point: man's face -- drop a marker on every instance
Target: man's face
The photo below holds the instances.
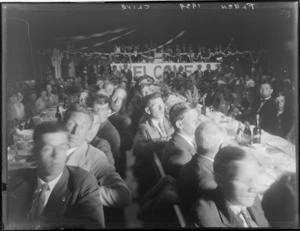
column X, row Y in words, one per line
column 265, row 90
column 190, row 122
column 102, row 111
column 156, row 108
column 44, row 94
column 239, row 185
column 51, row 153
column 280, row 101
column 208, row 66
column 49, row 88
column 13, row 99
column 199, row 67
column 145, row 91
column 82, row 98
column 117, row 100
column 100, row 83
column 20, row 97
column 78, row 125
column 109, row 88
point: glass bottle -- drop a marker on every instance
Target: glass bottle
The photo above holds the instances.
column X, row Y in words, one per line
column 239, row 133
column 257, row 131
column 247, row 133
column 58, row 115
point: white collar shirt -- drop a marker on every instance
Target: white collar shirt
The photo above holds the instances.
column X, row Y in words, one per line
column 51, row 184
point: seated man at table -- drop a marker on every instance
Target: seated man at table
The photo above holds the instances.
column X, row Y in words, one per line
column 181, row 147
column 152, row 136
column 106, row 130
column 267, row 108
column 113, row 191
column 234, row 203
column 53, row 195
column 40, row 104
column 122, row 123
column 197, row 176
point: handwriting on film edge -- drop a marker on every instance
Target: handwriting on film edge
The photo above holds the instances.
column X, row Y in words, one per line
column 193, row 6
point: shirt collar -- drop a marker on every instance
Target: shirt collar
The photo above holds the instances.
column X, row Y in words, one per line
column 267, row 98
column 210, row 159
column 51, row 183
column 71, row 150
column 235, row 208
column 190, row 140
column 156, row 122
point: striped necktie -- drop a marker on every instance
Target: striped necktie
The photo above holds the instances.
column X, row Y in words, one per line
column 248, row 219
column 39, row 201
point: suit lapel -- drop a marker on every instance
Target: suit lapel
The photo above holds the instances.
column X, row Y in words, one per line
column 77, row 157
column 59, row 197
column 257, row 215
column 228, row 218
column 205, row 163
column 178, row 139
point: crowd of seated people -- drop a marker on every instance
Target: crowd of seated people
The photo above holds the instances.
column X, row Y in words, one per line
column 114, row 112
column 181, row 53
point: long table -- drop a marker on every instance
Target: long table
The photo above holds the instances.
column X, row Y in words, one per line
column 275, row 154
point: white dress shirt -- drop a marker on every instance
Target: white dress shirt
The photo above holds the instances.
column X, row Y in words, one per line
column 237, row 211
column 51, row 184
column 210, row 159
column 156, row 124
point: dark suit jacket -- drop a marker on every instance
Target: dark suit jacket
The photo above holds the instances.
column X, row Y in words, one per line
column 177, row 153
column 123, row 125
column 74, row 201
column 283, row 123
column 195, row 179
column 104, row 146
column 108, row 132
column 208, row 73
column 213, row 211
column 128, row 75
column 267, row 115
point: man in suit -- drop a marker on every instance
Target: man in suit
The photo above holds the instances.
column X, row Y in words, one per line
column 234, row 203
column 267, row 108
column 181, row 147
column 106, row 130
column 127, row 73
column 197, row 176
column 152, row 136
column 53, row 195
column 208, row 73
column 98, row 142
column 199, row 73
column 113, row 191
column 121, row 121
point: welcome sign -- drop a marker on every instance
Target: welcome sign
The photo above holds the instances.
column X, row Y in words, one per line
column 157, row 69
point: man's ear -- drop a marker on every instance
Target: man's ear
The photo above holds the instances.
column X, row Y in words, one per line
column 109, row 112
column 271, row 91
column 147, row 110
column 218, row 180
column 178, row 124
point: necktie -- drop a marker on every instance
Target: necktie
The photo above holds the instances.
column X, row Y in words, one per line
column 248, row 219
column 39, row 201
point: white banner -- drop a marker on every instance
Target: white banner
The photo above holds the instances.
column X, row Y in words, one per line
column 156, row 69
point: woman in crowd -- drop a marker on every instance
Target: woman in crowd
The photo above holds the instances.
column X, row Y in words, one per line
column 51, row 99
column 15, row 107
column 41, row 103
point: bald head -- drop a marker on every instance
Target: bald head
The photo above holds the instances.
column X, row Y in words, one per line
column 209, row 136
